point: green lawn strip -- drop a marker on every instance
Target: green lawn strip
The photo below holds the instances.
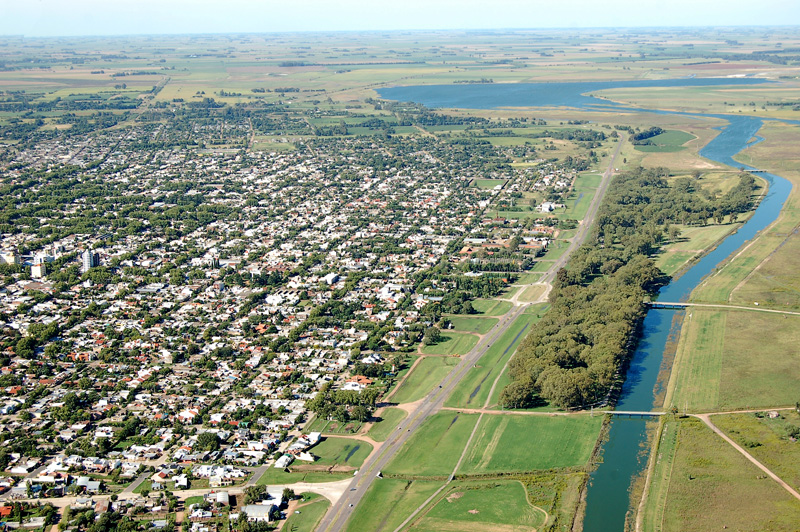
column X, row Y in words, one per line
column 761, row 361
column 528, row 278
column 434, row 449
column 306, row 518
column 388, row 502
column 508, row 443
column 279, row 476
column 327, row 426
column 555, row 249
column 653, row 511
column 452, row 343
column 472, row 325
column 427, row 374
column 767, row 439
column 481, row 505
column 145, row 485
column 491, row 307
column 541, row 265
column 489, row 183
column 474, row 388
column 341, row 451
column 698, row 362
column 409, row 362
column 712, row 486
column 389, row 419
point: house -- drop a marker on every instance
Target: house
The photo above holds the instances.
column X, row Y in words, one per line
column 266, row 513
column 284, row 461
column 181, row 481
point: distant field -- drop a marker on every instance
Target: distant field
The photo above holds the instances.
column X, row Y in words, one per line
column 667, row 142
column 435, row 447
column 390, row 417
column 497, row 505
column 452, row 343
column 428, row 373
column 712, row 486
column 472, row 325
column 528, row 443
column 489, row 183
column 776, row 282
column 388, row 502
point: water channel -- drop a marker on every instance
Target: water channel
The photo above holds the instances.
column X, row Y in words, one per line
column 624, row 454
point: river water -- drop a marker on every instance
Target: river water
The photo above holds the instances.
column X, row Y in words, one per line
column 625, row 452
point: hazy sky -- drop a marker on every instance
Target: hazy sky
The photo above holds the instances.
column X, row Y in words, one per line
column 113, row 17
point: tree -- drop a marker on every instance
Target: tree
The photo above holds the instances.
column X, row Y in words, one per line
column 208, row 441
column 288, row 494
column 360, row 413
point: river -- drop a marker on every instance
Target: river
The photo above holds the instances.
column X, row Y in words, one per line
column 625, row 452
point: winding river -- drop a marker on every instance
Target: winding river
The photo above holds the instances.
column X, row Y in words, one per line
column 624, row 454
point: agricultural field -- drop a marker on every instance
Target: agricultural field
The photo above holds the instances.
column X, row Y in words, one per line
column 434, row 449
column 389, row 419
column 711, row 487
column 521, row 443
column 423, row 378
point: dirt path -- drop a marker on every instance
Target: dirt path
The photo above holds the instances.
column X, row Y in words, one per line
column 705, row 418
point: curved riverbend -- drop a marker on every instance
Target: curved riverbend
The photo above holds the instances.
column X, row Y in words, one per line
column 624, row 453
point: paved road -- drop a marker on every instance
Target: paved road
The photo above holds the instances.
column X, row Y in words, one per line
column 338, row 514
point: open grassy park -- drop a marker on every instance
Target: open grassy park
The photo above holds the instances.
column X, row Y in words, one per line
column 508, row 443
column 451, row 343
column 471, row 324
column 307, row 515
column 388, row 503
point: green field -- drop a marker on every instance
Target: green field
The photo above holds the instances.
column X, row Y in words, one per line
column 527, row 443
column 472, row 325
column 341, row 451
column 711, row 487
column 452, row 343
column 723, row 362
column 768, row 440
column 388, row 502
column 279, row 476
column 329, row 426
column 497, row 505
column 528, row 278
column 435, row 447
column 310, row 515
column 489, row 183
column 775, row 284
column 474, row 388
column 390, row 417
column 423, row 378
column 692, row 242
column 491, row 307
column 532, row 293
column 668, row 142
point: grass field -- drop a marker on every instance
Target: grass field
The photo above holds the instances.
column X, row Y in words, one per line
column 491, row 307
column 499, row 505
column 472, row 325
column 452, row 343
column 723, row 362
column 390, row 417
column 328, row 426
column 473, row 390
column 341, row 451
column 527, row 443
column 653, row 510
column 532, row 293
column 775, row 283
column 279, row 476
column 387, row 504
column 767, row 439
column 712, row 486
column 422, row 379
column 528, row 278
column 698, row 362
column 308, row 518
column 489, row 183
column 668, row 142
column 434, row 449
column 692, row 242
